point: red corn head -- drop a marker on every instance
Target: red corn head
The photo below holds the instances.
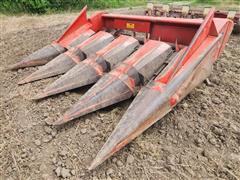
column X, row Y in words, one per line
column 90, row 70
column 198, row 43
column 77, row 32
column 69, row 59
column 187, row 70
column 122, row 82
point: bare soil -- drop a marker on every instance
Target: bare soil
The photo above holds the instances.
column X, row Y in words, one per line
column 199, row 139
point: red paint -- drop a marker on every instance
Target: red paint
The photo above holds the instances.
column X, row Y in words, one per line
column 165, row 28
column 96, row 21
column 148, row 47
column 168, row 20
column 164, row 78
column 122, row 69
column 168, row 29
column 95, row 66
column 77, row 23
column 199, row 37
column 172, row 101
column 206, row 34
column 136, row 26
column 75, row 58
column 157, row 88
column 80, row 31
column 179, row 31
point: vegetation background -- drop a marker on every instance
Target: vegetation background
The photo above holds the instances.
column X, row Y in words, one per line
column 46, row 6
column 52, row 6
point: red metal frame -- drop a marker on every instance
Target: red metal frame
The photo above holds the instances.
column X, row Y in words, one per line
column 80, row 24
column 166, row 29
column 198, row 44
column 209, row 31
column 191, row 33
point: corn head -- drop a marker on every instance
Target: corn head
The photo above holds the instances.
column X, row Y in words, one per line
column 160, row 60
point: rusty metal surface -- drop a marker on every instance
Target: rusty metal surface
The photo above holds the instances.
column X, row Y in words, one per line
column 122, row 82
column 108, row 90
column 39, row 57
column 69, row 59
column 82, row 37
column 92, row 69
column 95, row 43
column 193, row 65
column 158, row 98
column 59, row 65
column 66, row 41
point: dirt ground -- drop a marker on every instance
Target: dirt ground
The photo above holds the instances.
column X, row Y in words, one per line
column 199, row 139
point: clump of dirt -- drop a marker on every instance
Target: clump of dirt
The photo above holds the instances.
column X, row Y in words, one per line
column 199, row 139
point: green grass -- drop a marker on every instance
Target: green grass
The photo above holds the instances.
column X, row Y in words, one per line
column 220, row 3
column 51, row 6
